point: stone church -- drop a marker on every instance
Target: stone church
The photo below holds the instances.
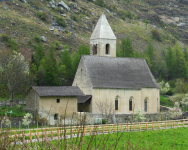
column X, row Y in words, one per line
column 125, row 83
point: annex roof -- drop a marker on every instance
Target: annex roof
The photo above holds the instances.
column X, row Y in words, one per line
column 83, row 99
column 102, row 29
column 118, row 72
column 58, row 91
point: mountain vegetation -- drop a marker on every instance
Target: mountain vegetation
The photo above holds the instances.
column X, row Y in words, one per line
column 52, row 37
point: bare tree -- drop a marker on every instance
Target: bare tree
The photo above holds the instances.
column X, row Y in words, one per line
column 105, row 107
column 14, row 71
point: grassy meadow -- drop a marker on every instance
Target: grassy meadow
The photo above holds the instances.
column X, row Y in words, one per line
column 157, row 139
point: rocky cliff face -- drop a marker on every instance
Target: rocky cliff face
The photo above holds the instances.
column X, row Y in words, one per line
column 169, row 13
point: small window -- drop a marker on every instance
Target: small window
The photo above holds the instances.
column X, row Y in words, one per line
column 130, row 104
column 116, row 103
column 95, row 49
column 145, row 105
column 58, row 100
column 107, row 48
column 55, row 116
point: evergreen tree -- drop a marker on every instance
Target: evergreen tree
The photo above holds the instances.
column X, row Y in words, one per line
column 51, row 68
column 186, row 55
column 39, row 54
column 170, row 61
column 181, row 66
column 149, row 52
column 83, row 50
column 65, row 59
column 41, row 73
column 137, row 55
column 126, row 48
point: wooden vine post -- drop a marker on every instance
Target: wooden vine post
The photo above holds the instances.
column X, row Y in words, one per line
column 84, row 130
column 51, row 134
column 37, row 134
column 23, row 137
column 44, row 133
column 152, row 126
column 158, row 125
column 121, row 127
column 30, row 135
column 15, row 137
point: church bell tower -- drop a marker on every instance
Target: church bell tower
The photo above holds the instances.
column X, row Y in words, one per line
column 103, row 40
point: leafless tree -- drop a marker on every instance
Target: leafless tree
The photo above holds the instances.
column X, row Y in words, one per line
column 105, row 107
column 14, row 72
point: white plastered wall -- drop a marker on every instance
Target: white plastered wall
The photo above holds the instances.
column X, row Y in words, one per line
column 124, row 96
column 101, row 47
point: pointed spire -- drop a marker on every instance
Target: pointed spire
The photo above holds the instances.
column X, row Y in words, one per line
column 102, row 29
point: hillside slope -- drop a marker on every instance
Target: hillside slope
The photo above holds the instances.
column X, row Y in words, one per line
column 22, row 20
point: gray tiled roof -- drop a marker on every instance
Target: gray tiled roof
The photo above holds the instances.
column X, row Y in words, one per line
column 116, row 72
column 58, row 90
column 102, row 29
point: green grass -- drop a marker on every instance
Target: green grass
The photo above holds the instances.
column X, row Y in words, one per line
column 158, row 139
column 164, row 101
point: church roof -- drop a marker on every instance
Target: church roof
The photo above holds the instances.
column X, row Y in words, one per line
column 58, row 91
column 102, row 29
column 118, row 72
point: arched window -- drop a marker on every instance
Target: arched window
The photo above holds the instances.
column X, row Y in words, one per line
column 116, row 103
column 131, row 104
column 107, row 48
column 95, row 49
column 55, row 116
column 145, row 105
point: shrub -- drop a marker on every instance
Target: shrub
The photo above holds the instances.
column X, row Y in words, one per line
column 99, row 2
column 127, row 14
column 170, row 92
column 123, row 17
column 37, row 38
column 145, row 21
column 172, row 83
column 61, row 22
column 42, row 15
column 176, row 36
column 111, row 7
column 75, row 18
column 12, row 43
column 36, row 4
column 156, row 35
column 4, row 37
column 57, row 44
column 104, row 121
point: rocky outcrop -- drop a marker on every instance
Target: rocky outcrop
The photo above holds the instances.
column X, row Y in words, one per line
column 52, row 3
column 62, row 4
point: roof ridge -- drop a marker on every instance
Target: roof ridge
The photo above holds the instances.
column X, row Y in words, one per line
column 113, row 57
